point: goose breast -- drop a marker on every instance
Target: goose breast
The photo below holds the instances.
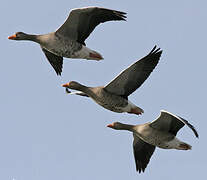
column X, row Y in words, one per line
column 108, row 100
column 60, row 46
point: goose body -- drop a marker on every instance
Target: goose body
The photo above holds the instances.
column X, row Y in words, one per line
column 66, row 47
column 114, row 96
column 157, row 138
column 69, row 40
column 158, row 133
column 111, row 101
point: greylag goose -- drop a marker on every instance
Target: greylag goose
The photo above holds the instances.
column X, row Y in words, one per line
column 114, row 96
column 69, row 40
column 160, row 132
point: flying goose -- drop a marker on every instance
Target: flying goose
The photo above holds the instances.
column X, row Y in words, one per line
column 114, row 96
column 160, row 132
column 69, row 40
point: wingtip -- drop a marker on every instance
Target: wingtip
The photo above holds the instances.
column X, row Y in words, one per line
column 122, row 15
column 140, row 170
column 189, row 125
column 155, row 50
column 195, row 132
column 122, row 18
column 120, row 12
column 58, row 73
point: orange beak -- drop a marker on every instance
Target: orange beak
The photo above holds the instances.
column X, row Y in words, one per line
column 65, row 85
column 110, row 125
column 12, row 37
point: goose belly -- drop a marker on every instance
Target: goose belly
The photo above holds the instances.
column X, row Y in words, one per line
column 112, row 106
column 157, row 138
column 110, row 102
column 63, row 47
column 68, row 50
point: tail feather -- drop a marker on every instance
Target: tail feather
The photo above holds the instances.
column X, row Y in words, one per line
column 184, row 146
column 136, row 110
column 95, row 56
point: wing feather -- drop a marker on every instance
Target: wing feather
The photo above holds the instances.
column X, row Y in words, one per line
column 133, row 77
column 54, row 60
column 142, row 153
column 171, row 123
column 81, row 22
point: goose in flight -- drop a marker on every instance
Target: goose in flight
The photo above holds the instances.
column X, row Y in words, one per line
column 69, row 40
column 158, row 133
column 114, row 96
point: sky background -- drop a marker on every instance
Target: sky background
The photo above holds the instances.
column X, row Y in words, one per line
column 46, row 134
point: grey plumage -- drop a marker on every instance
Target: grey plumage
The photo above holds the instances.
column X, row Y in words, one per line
column 81, row 22
column 133, row 77
column 158, row 133
column 69, row 40
column 55, row 61
column 168, row 122
column 114, row 96
column 142, row 153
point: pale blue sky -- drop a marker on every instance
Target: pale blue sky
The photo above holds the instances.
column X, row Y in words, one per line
column 46, row 134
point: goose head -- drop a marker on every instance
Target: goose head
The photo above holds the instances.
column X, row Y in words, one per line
column 115, row 125
column 73, row 85
column 120, row 126
column 19, row 36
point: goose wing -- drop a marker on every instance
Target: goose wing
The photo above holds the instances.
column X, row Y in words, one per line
column 54, row 60
column 81, row 22
column 171, row 123
column 142, row 153
column 132, row 78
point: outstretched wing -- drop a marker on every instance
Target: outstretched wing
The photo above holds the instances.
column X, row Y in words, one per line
column 171, row 123
column 54, row 60
column 142, row 153
column 132, row 78
column 81, row 22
